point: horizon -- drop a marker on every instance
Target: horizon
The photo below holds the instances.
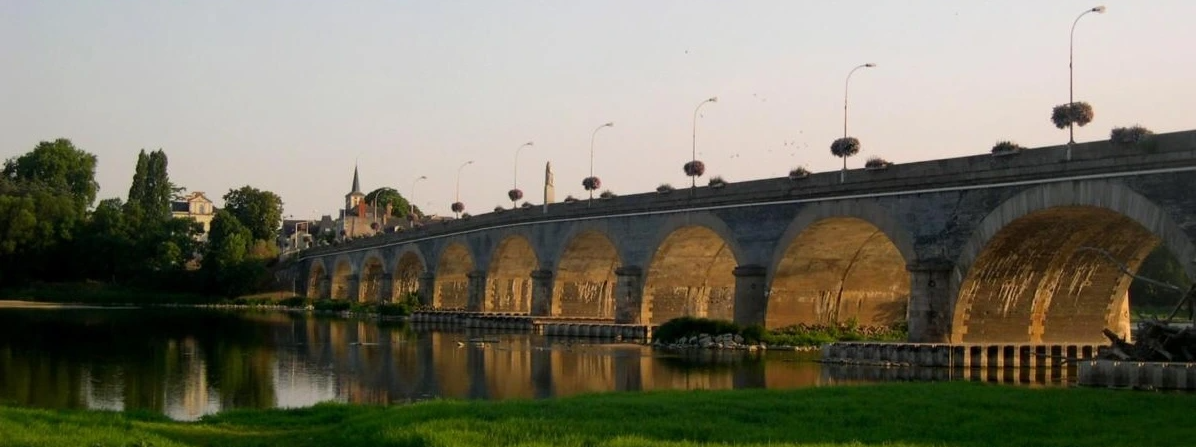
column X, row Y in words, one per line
column 288, row 97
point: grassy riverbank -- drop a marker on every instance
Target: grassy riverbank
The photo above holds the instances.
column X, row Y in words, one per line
column 955, row 414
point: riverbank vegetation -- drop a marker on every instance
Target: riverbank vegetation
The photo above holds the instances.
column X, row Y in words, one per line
column 796, row 335
column 909, row 414
column 137, row 246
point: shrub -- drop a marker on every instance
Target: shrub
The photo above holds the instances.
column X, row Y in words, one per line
column 331, row 305
column 499, row 209
column 664, row 188
column 527, row 206
column 877, row 163
column 1006, row 146
column 295, row 301
column 466, row 215
column 607, row 195
column 717, row 182
column 798, row 172
column 1130, row 136
column 1078, row 113
column 570, row 199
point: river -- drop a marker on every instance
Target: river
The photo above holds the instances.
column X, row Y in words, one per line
column 186, row 363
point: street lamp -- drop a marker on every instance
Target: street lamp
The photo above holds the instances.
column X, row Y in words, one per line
column 1071, row 73
column 694, row 141
column 457, row 205
column 592, row 135
column 847, row 84
column 411, row 200
column 515, row 194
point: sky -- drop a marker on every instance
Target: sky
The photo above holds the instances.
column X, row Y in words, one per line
column 288, row 95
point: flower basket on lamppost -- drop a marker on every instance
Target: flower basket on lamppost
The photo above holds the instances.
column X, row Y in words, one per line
column 591, row 184
column 843, row 148
column 457, row 208
column 694, row 169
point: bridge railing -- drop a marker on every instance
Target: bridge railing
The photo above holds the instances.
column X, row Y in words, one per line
column 1093, row 158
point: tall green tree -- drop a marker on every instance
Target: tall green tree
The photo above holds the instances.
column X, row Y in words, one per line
column 58, row 166
column 258, row 210
column 381, row 197
column 151, row 190
column 226, row 262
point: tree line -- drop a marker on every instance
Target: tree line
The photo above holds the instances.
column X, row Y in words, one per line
column 50, row 233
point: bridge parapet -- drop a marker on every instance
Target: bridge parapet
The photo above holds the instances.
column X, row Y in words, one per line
column 1170, row 150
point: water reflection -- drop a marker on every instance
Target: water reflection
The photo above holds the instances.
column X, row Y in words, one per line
column 188, row 363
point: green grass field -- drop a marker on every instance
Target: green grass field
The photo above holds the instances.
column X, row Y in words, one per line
column 923, row 414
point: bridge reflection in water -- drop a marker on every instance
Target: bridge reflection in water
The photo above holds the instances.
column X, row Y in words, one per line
column 190, row 363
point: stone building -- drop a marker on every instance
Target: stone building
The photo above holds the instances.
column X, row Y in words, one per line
column 195, row 206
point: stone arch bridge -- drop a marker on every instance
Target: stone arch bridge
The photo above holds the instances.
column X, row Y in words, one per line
column 974, row 249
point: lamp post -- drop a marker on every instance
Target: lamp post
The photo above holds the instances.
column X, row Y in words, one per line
column 1071, row 73
column 515, row 194
column 592, row 135
column 847, row 84
column 411, row 200
column 457, row 205
column 694, row 141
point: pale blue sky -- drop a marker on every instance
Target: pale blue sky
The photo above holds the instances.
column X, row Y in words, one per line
column 284, row 95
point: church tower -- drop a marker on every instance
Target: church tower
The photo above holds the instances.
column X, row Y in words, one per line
column 549, row 188
column 354, row 197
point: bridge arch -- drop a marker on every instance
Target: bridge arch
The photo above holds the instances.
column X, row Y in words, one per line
column 508, row 280
column 409, row 266
column 317, row 276
column 373, row 269
column 342, row 274
column 690, row 272
column 1022, row 277
column 453, row 267
column 584, row 282
column 839, row 262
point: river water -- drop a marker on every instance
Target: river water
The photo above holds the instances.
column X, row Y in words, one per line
column 186, row 363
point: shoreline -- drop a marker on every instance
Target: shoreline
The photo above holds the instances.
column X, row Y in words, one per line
column 31, row 304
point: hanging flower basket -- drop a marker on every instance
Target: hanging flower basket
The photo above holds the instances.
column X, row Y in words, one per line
column 1127, row 137
column 695, row 168
column 664, row 188
column 798, row 173
column 458, row 207
column 607, row 195
column 1078, row 113
column 845, row 147
column 515, row 194
column 591, row 183
column 877, row 164
column 1006, row 147
column 717, row 182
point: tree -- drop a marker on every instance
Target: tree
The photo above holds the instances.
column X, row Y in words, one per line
column 381, row 197
column 57, row 166
column 151, row 191
column 259, row 211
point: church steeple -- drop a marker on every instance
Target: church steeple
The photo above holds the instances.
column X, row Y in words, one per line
column 356, row 181
column 355, row 196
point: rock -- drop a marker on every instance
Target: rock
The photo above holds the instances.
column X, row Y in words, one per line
column 737, row 339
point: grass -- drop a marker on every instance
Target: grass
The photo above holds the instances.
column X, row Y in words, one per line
column 797, row 335
column 922, row 414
